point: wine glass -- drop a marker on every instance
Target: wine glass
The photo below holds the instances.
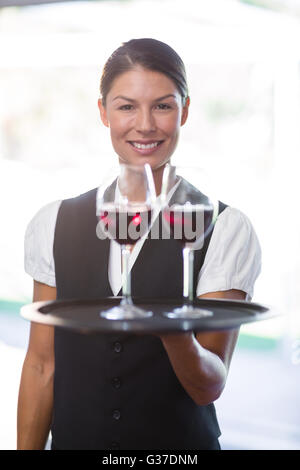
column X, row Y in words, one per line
column 124, row 207
column 189, row 215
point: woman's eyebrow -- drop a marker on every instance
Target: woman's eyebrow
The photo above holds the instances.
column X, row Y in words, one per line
column 170, row 95
column 122, row 97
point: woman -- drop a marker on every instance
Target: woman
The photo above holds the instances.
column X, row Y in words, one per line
column 127, row 391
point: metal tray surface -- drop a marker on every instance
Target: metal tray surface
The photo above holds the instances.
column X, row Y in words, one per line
column 84, row 315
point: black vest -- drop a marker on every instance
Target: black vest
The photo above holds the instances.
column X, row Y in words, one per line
column 119, row 391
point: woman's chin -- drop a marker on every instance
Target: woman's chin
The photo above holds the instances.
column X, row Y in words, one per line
column 154, row 161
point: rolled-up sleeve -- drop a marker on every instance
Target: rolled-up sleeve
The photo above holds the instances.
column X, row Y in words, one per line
column 233, row 258
column 38, row 245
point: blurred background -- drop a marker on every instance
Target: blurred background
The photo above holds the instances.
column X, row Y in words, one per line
column 242, row 60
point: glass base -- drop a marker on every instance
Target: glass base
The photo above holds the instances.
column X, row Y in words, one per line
column 125, row 312
column 188, row 311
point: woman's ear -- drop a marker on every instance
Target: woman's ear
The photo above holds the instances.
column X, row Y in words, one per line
column 103, row 113
column 185, row 111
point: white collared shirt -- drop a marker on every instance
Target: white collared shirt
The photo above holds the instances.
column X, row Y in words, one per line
column 232, row 261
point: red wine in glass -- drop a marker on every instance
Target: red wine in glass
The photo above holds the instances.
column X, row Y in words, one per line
column 189, row 222
column 124, row 203
column 125, row 225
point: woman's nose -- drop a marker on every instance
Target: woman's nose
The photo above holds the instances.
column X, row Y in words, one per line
column 145, row 121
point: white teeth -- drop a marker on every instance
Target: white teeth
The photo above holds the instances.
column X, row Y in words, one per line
column 145, row 146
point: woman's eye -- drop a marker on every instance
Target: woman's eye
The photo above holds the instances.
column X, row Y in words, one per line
column 126, row 107
column 163, row 106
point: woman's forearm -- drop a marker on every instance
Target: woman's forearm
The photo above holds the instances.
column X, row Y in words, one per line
column 201, row 372
column 34, row 406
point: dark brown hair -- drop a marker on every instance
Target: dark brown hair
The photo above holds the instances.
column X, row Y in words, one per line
column 150, row 54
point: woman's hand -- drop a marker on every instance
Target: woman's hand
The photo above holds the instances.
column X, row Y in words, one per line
column 201, row 361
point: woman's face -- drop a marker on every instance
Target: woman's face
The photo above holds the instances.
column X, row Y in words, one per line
column 144, row 112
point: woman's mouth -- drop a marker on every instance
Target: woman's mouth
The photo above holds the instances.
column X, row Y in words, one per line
column 145, row 147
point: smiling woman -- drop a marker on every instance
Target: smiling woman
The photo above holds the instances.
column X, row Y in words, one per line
column 144, row 124
column 144, row 101
column 130, row 391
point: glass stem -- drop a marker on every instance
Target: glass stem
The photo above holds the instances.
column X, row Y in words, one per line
column 188, row 274
column 126, row 278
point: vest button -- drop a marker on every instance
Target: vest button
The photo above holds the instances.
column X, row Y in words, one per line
column 118, row 347
column 116, row 382
column 116, row 414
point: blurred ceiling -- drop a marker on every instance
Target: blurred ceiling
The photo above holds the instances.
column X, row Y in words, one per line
column 20, row 3
column 85, row 33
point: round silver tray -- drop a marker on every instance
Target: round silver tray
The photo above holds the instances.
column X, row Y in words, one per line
column 84, row 315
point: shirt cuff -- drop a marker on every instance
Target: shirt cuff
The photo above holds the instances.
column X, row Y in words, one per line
column 221, row 284
column 41, row 277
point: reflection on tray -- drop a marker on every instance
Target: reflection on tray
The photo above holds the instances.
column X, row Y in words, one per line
column 83, row 315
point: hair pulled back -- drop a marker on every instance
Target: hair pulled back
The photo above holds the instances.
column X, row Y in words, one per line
column 148, row 53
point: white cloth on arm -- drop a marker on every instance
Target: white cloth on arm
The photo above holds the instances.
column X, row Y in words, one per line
column 232, row 261
column 38, row 244
column 233, row 258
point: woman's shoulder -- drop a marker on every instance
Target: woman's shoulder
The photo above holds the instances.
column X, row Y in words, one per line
column 38, row 244
column 234, row 229
column 45, row 216
column 234, row 217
